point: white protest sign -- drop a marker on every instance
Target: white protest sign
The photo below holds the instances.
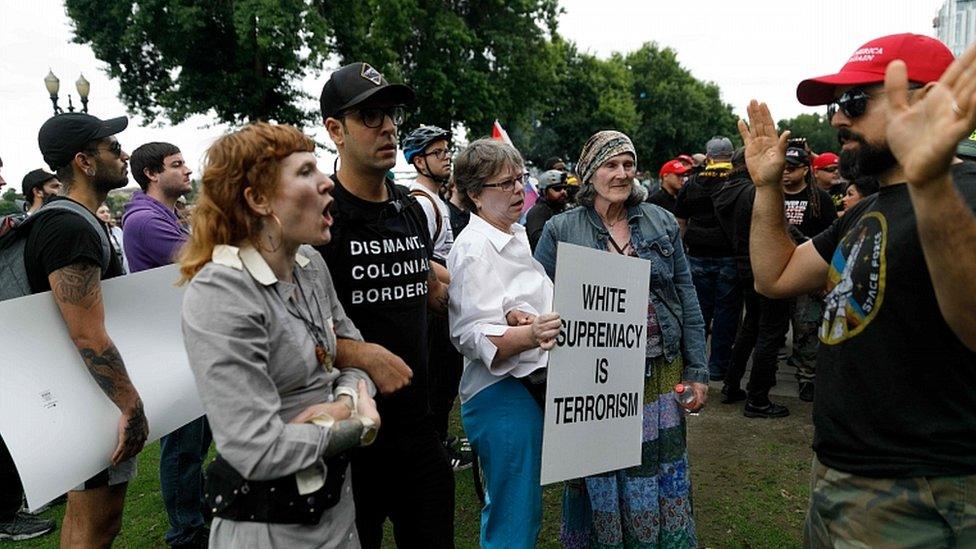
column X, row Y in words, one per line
column 60, row 427
column 595, row 390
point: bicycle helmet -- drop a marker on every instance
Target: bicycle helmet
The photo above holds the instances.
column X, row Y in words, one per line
column 416, row 141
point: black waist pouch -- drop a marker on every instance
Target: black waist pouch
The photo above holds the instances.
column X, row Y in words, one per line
column 535, row 384
column 231, row 496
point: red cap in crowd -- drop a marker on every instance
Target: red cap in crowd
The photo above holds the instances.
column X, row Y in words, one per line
column 686, row 159
column 674, row 166
column 824, row 160
column 926, row 58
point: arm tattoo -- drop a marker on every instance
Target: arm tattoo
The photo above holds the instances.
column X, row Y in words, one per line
column 136, row 430
column 344, row 435
column 108, row 370
column 78, row 285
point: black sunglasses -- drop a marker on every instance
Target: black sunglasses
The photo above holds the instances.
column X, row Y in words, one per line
column 854, row 102
column 373, row 117
column 115, row 148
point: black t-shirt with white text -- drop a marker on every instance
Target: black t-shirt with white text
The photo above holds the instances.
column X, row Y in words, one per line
column 379, row 258
column 60, row 239
column 896, row 389
column 809, row 219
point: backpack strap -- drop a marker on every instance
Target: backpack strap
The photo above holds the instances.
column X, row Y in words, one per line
column 437, row 211
column 96, row 225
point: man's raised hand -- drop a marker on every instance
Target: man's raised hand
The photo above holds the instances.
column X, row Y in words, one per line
column 765, row 148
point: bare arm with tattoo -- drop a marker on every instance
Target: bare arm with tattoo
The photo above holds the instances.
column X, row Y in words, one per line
column 77, row 291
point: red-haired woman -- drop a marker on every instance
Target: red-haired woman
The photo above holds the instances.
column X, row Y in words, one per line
column 264, row 333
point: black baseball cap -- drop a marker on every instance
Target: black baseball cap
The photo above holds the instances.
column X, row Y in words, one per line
column 796, row 156
column 34, row 179
column 353, row 84
column 65, row 135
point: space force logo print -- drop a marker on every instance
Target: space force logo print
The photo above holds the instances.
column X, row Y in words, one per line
column 856, row 279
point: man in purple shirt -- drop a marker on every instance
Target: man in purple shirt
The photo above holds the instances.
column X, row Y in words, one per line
column 153, row 237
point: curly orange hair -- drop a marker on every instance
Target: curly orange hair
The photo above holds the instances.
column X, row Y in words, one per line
column 249, row 157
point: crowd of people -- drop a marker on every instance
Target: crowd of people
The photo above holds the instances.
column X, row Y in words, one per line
column 332, row 321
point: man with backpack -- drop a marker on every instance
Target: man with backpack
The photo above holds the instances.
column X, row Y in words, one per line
column 15, row 524
column 428, row 149
column 66, row 251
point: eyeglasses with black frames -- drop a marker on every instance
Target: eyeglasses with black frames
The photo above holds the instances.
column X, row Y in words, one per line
column 373, row 117
column 440, row 154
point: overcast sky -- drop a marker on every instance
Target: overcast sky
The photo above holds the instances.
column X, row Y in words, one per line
column 759, row 48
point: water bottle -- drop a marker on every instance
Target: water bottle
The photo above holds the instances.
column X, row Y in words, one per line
column 686, row 397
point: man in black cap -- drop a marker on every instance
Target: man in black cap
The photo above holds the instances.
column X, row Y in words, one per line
column 38, row 186
column 66, row 255
column 380, row 258
column 711, row 255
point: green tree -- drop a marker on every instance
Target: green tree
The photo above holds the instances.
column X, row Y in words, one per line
column 589, row 95
column 678, row 113
column 240, row 60
column 470, row 61
column 8, row 202
column 820, row 136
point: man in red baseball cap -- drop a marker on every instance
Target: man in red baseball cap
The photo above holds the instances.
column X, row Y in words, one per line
column 673, row 175
column 895, row 404
column 827, row 175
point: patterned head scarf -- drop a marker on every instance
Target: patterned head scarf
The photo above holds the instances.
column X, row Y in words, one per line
column 599, row 148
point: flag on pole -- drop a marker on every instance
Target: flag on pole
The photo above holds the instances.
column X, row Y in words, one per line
column 499, row 133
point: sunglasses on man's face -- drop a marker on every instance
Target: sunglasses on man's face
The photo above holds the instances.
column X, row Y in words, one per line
column 854, row 102
column 115, row 148
column 830, row 169
column 373, row 117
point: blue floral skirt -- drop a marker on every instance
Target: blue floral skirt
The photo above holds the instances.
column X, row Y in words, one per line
column 648, row 505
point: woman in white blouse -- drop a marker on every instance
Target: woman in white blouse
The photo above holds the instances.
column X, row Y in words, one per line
column 500, row 301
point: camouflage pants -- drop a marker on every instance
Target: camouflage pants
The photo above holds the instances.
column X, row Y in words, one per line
column 853, row 511
column 807, row 314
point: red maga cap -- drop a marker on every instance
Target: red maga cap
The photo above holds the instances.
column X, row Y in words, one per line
column 926, row 58
column 673, row 166
column 824, row 159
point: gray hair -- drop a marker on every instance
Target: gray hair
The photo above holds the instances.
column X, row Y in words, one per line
column 478, row 162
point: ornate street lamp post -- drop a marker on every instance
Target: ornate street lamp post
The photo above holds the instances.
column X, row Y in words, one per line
column 53, row 84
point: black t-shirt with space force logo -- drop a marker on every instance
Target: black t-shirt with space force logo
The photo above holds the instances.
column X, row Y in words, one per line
column 379, row 257
column 896, row 389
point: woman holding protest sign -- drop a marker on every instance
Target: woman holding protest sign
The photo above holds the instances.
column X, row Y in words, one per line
column 264, row 333
column 500, row 302
column 648, row 505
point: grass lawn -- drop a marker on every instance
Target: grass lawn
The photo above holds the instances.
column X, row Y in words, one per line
column 750, row 478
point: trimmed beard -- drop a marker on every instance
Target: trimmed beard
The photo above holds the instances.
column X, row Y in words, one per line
column 866, row 160
column 104, row 181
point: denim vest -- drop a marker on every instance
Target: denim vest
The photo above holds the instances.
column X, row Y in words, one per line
column 654, row 236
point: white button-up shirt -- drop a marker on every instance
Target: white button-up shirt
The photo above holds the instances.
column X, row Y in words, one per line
column 492, row 273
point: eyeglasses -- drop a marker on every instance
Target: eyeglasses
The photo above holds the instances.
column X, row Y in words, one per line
column 373, row 117
column 507, row 186
column 440, row 154
column 557, row 188
column 830, row 169
column 854, row 102
column 115, row 148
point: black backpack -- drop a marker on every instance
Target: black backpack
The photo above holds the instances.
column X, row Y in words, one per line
column 13, row 241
